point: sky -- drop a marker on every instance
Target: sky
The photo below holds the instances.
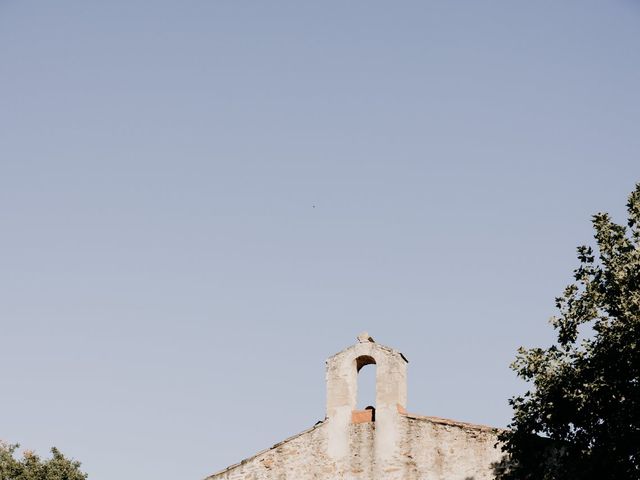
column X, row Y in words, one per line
column 201, row 201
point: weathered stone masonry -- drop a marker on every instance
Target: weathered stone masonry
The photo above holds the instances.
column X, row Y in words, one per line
column 385, row 443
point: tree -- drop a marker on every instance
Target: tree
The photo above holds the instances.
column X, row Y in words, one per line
column 32, row 467
column 581, row 419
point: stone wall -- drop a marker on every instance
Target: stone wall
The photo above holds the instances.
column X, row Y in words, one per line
column 431, row 449
column 439, row 449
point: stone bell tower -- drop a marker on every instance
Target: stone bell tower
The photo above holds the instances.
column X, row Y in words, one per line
column 385, row 443
column 391, row 400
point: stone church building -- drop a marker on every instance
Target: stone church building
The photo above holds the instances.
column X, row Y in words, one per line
column 381, row 443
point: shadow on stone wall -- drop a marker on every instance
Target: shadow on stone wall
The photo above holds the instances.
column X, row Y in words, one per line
column 502, row 468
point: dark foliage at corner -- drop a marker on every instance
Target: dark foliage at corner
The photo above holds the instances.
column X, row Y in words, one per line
column 32, row 467
column 581, row 419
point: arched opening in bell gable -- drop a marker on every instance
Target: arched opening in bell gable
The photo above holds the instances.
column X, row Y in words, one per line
column 366, row 393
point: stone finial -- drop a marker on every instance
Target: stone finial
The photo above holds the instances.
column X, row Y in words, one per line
column 364, row 338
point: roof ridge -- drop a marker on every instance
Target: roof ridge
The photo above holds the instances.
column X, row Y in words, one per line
column 286, row 440
column 455, row 423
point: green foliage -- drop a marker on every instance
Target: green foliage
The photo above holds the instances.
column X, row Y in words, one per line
column 32, row 467
column 581, row 419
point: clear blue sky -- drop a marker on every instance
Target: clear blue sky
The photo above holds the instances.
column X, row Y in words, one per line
column 168, row 292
